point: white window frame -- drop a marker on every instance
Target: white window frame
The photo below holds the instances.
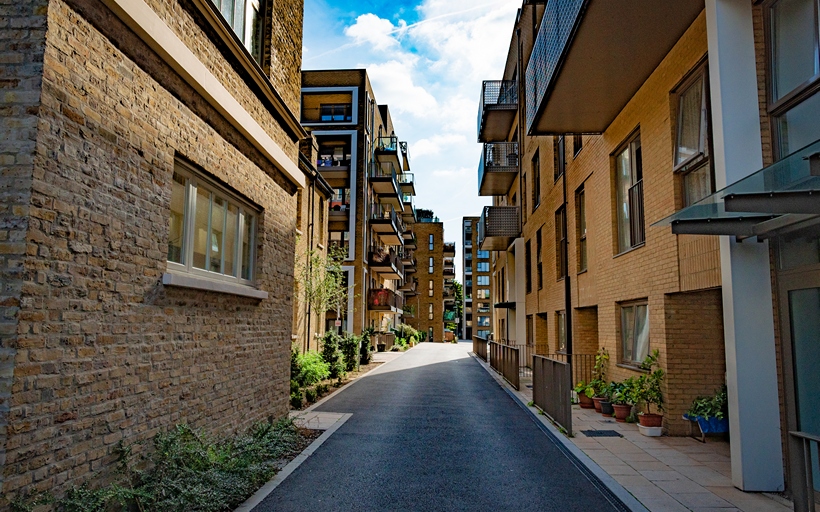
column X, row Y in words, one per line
column 193, row 181
column 636, row 359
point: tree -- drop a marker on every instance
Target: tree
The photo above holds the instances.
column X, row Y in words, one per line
column 459, row 294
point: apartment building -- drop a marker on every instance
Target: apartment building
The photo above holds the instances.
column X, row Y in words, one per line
column 312, row 213
column 434, row 306
column 149, row 167
column 477, row 313
column 590, row 161
column 371, row 215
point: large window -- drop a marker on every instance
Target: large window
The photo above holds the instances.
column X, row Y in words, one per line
column 794, row 56
column 634, row 332
column 211, row 232
column 243, row 17
column 577, row 144
column 539, row 264
column 560, row 243
column 482, row 255
column 483, row 266
column 483, row 280
column 429, row 311
column 430, row 265
column 430, row 242
column 340, row 239
column 536, row 180
column 692, row 138
column 629, row 178
column 482, row 293
column 581, row 210
column 561, row 330
column 483, row 321
column 430, row 288
column 560, row 161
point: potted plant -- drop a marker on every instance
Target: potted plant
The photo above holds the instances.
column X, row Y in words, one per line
column 622, row 399
column 606, row 399
column 710, row 413
column 648, row 392
column 585, row 393
column 598, row 383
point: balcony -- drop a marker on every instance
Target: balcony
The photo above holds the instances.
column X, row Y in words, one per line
column 497, row 109
column 449, row 273
column 326, row 112
column 409, row 239
column 385, row 184
column 386, row 262
column 408, row 261
column 449, row 249
column 590, row 58
column 450, row 316
column 387, row 224
column 409, row 213
column 387, row 151
column 336, row 171
column 498, row 227
column 498, row 168
column 408, row 286
column 384, row 300
column 408, row 183
column 449, row 264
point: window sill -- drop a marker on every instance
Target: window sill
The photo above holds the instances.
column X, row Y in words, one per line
column 201, row 283
column 583, row 271
column 632, row 367
column 629, row 250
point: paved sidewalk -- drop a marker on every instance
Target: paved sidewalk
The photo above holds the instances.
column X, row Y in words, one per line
column 663, row 473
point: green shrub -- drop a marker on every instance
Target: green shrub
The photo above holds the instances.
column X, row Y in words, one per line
column 349, row 345
column 313, row 368
column 295, row 366
column 311, row 395
column 321, row 389
column 294, row 386
column 296, row 399
column 366, row 350
column 333, row 355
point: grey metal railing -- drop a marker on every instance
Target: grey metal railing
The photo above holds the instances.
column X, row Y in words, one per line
column 480, row 347
column 551, row 389
column 504, row 359
column 805, row 484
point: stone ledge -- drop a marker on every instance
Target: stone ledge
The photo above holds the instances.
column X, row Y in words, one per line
column 203, row 283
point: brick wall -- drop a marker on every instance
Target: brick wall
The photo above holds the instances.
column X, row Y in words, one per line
column 22, row 45
column 105, row 352
column 423, row 300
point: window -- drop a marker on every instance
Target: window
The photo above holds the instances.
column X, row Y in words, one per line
column 560, row 162
column 340, row 239
column 528, row 264
column 482, row 293
column 539, row 262
column 243, row 17
column 634, row 332
column 483, row 321
column 581, row 210
column 536, row 180
column 430, row 266
column 692, row 138
column 561, row 330
column 430, row 288
column 577, row 144
column 629, row 179
column 483, row 281
column 429, row 311
column 483, row 307
column 483, row 255
column 524, row 195
column 211, row 233
column 430, row 243
column 794, row 56
column 560, row 243
column 483, row 266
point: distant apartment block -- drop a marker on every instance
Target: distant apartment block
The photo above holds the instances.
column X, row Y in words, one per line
column 477, row 316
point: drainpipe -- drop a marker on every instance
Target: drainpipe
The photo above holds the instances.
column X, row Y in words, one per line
column 567, row 284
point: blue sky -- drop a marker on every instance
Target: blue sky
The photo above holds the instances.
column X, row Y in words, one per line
column 426, row 60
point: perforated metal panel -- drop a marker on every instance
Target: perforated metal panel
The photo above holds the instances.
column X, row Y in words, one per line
column 559, row 22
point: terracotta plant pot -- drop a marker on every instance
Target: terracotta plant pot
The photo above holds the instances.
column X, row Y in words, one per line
column 606, row 408
column 650, row 420
column 585, row 401
column 621, row 412
column 598, row 400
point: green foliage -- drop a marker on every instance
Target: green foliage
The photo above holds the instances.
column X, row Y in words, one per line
column 624, row 392
column 313, row 368
column 296, row 399
column 648, row 387
column 349, row 345
column 530, row 404
column 311, row 395
column 186, row 471
column 322, row 389
column 294, row 386
column 715, row 406
column 366, row 350
column 422, row 336
column 333, row 355
column 295, row 366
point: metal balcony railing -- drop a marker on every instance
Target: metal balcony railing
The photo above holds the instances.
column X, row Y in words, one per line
column 384, row 299
column 387, row 212
column 497, row 168
column 390, row 143
column 557, row 25
column 380, row 257
column 449, row 272
column 498, row 227
column 496, row 95
column 449, row 247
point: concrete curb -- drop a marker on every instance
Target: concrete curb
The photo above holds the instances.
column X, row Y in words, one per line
column 606, row 479
column 280, row 477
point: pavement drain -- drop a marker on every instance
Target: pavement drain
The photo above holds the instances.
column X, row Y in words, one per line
column 601, row 433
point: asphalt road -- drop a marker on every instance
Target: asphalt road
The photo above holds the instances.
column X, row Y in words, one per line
column 432, row 431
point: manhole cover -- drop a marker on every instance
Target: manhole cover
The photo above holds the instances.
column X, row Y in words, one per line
column 601, row 433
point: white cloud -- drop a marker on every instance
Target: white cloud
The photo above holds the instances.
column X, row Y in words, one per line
column 434, row 145
column 377, row 32
column 393, row 84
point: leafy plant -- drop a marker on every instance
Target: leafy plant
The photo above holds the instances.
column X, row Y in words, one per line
column 715, row 406
column 648, row 387
column 311, row 395
column 366, row 350
column 349, row 345
column 313, row 368
column 296, row 399
column 322, row 389
column 295, row 366
column 624, row 392
column 333, row 355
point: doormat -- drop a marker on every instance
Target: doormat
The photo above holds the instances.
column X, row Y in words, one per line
column 601, row 433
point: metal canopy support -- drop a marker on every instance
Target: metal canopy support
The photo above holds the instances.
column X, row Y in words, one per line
column 740, row 226
column 803, row 201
